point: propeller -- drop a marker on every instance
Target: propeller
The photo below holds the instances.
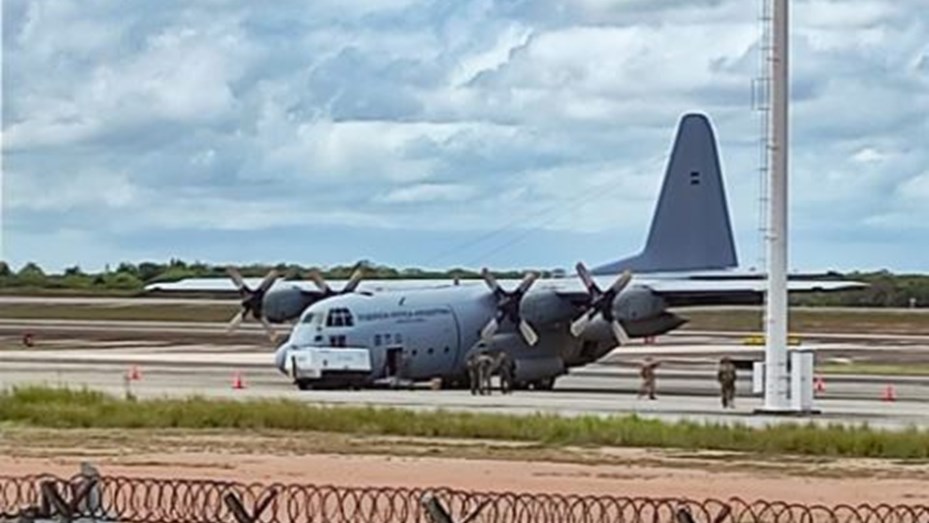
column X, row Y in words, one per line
column 508, row 307
column 327, row 291
column 252, row 300
column 601, row 302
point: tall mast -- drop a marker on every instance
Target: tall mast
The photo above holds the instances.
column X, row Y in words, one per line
column 777, row 384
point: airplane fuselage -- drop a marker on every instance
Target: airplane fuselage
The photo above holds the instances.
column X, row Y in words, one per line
column 425, row 334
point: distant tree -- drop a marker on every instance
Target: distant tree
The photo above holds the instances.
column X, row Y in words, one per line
column 123, row 281
column 31, row 275
column 148, row 271
column 128, row 268
column 74, row 271
column 5, row 271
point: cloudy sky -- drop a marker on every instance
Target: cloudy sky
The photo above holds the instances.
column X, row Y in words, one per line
column 510, row 133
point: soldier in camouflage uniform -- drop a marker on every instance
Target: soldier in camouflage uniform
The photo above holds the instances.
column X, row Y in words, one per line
column 505, row 367
column 726, row 376
column 647, row 373
column 480, row 367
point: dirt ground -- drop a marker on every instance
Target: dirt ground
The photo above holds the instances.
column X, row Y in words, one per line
column 470, row 465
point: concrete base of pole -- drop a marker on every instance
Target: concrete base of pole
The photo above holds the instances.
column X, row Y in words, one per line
column 786, row 412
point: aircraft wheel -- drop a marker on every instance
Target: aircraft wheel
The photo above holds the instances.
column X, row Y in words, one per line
column 544, row 384
column 304, row 384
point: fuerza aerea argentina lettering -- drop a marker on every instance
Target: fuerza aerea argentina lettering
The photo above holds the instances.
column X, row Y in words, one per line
column 401, row 314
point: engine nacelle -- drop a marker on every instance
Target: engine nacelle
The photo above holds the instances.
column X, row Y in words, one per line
column 287, row 303
column 537, row 369
column 544, row 307
column 637, row 303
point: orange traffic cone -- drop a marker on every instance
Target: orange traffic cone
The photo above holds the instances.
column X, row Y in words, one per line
column 819, row 384
column 890, row 394
column 134, row 373
column 237, row 381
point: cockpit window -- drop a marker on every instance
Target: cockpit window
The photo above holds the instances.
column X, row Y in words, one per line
column 339, row 317
column 308, row 318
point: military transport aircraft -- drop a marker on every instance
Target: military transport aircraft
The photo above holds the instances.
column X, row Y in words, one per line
column 425, row 329
column 419, row 330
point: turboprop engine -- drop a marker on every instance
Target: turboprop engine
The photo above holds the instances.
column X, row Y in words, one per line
column 622, row 311
column 546, row 308
column 270, row 303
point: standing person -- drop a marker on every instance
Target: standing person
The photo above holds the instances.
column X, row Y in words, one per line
column 647, row 372
column 474, row 375
column 726, row 376
column 507, row 369
column 485, row 370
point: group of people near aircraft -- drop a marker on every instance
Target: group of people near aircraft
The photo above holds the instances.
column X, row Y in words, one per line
column 483, row 366
column 725, row 375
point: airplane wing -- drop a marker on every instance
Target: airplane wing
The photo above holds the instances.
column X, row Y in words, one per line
column 680, row 293
column 223, row 285
column 680, row 290
column 700, row 291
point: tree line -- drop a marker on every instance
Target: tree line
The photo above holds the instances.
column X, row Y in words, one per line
column 885, row 289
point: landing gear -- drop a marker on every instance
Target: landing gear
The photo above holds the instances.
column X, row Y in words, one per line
column 304, row 384
column 543, row 384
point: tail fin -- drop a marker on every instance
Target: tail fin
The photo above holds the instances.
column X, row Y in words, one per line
column 690, row 230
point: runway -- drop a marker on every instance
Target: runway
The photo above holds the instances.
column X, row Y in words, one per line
column 180, row 359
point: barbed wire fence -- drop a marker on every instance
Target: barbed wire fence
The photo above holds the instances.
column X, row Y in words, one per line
column 92, row 498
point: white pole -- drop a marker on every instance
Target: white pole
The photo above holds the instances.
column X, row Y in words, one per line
column 776, row 376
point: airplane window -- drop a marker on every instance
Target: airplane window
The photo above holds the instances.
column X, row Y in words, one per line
column 398, row 338
column 387, row 339
column 339, row 318
column 430, row 351
column 446, row 350
column 377, row 340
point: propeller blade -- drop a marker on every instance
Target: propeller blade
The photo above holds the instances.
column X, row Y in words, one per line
column 235, row 321
column 320, row 282
column 578, row 325
column 621, row 282
column 490, row 329
column 620, row 333
column 527, row 282
column 268, row 281
column 354, row 281
column 236, row 278
column 490, row 280
column 586, row 277
column 268, row 329
column 528, row 332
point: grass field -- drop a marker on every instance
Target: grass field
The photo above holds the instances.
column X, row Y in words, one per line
column 63, row 409
column 741, row 319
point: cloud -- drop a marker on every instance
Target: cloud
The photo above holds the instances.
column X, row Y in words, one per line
column 543, row 124
column 429, row 192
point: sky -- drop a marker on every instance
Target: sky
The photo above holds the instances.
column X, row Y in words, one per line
column 508, row 133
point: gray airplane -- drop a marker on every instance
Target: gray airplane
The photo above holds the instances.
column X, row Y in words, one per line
column 423, row 330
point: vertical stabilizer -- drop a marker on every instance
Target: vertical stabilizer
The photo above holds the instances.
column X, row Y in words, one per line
column 690, row 229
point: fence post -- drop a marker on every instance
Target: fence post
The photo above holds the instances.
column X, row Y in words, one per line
column 435, row 510
column 684, row 516
column 52, row 501
column 241, row 514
